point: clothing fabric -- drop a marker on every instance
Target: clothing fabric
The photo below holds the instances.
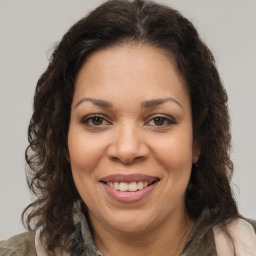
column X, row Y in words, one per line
column 203, row 241
column 244, row 239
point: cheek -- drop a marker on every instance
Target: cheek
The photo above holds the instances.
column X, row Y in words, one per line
column 84, row 151
column 174, row 152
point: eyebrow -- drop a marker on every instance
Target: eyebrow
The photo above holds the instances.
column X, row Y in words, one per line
column 144, row 104
column 157, row 102
column 97, row 102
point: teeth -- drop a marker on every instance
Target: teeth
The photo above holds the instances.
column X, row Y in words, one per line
column 116, row 185
column 145, row 184
column 140, row 185
column 124, row 186
column 133, row 186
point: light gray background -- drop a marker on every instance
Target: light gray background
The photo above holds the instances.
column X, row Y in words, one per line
column 29, row 29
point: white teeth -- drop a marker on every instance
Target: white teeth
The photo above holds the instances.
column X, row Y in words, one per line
column 133, row 186
column 145, row 184
column 116, row 185
column 124, row 186
column 140, row 185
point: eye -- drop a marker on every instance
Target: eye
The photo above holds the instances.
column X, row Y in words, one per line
column 95, row 121
column 161, row 121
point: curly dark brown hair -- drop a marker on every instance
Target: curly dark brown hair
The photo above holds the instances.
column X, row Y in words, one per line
column 119, row 22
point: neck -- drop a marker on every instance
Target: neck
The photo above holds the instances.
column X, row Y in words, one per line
column 167, row 239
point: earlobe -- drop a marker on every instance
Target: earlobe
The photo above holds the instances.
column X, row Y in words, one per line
column 196, row 152
column 67, row 156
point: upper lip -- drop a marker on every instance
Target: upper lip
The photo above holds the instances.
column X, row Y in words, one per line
column 129, row 178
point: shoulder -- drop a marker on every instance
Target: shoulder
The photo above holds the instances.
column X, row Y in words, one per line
column 19, row 245
column 237, row 236
column 252, row 222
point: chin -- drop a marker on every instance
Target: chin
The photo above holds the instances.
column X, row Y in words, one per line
column 132, row 227
column 132, row 222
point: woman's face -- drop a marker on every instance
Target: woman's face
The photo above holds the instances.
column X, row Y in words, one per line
column 130, row 138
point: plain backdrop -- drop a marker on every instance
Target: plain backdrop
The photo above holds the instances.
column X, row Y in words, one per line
column 30, row 28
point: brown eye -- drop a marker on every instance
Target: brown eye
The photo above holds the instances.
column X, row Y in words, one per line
column 95, row 121
column 159, row 121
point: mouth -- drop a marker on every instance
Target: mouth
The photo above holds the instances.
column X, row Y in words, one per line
column 131, row 186
column 129, row 183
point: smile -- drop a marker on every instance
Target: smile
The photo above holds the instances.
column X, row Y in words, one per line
column 129, row 188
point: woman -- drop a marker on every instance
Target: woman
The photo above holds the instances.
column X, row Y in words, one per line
column 129, row 143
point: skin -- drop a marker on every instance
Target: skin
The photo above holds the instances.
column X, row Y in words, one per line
column 128, row 139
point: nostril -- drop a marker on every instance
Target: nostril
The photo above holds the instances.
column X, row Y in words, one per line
column 126, row 160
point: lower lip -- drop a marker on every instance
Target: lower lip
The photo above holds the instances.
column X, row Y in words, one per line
column 127, row 196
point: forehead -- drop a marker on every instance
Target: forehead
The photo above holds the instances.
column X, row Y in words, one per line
column 132, row 69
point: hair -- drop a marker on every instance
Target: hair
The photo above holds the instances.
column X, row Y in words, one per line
column 114, row 23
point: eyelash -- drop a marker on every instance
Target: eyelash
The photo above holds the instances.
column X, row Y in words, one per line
column 168, row 121
column 90, row 118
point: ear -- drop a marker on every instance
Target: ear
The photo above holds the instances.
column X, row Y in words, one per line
column 67, row 156
column 196, row 152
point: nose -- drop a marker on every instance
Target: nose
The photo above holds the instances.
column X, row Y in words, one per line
column 128, row 145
